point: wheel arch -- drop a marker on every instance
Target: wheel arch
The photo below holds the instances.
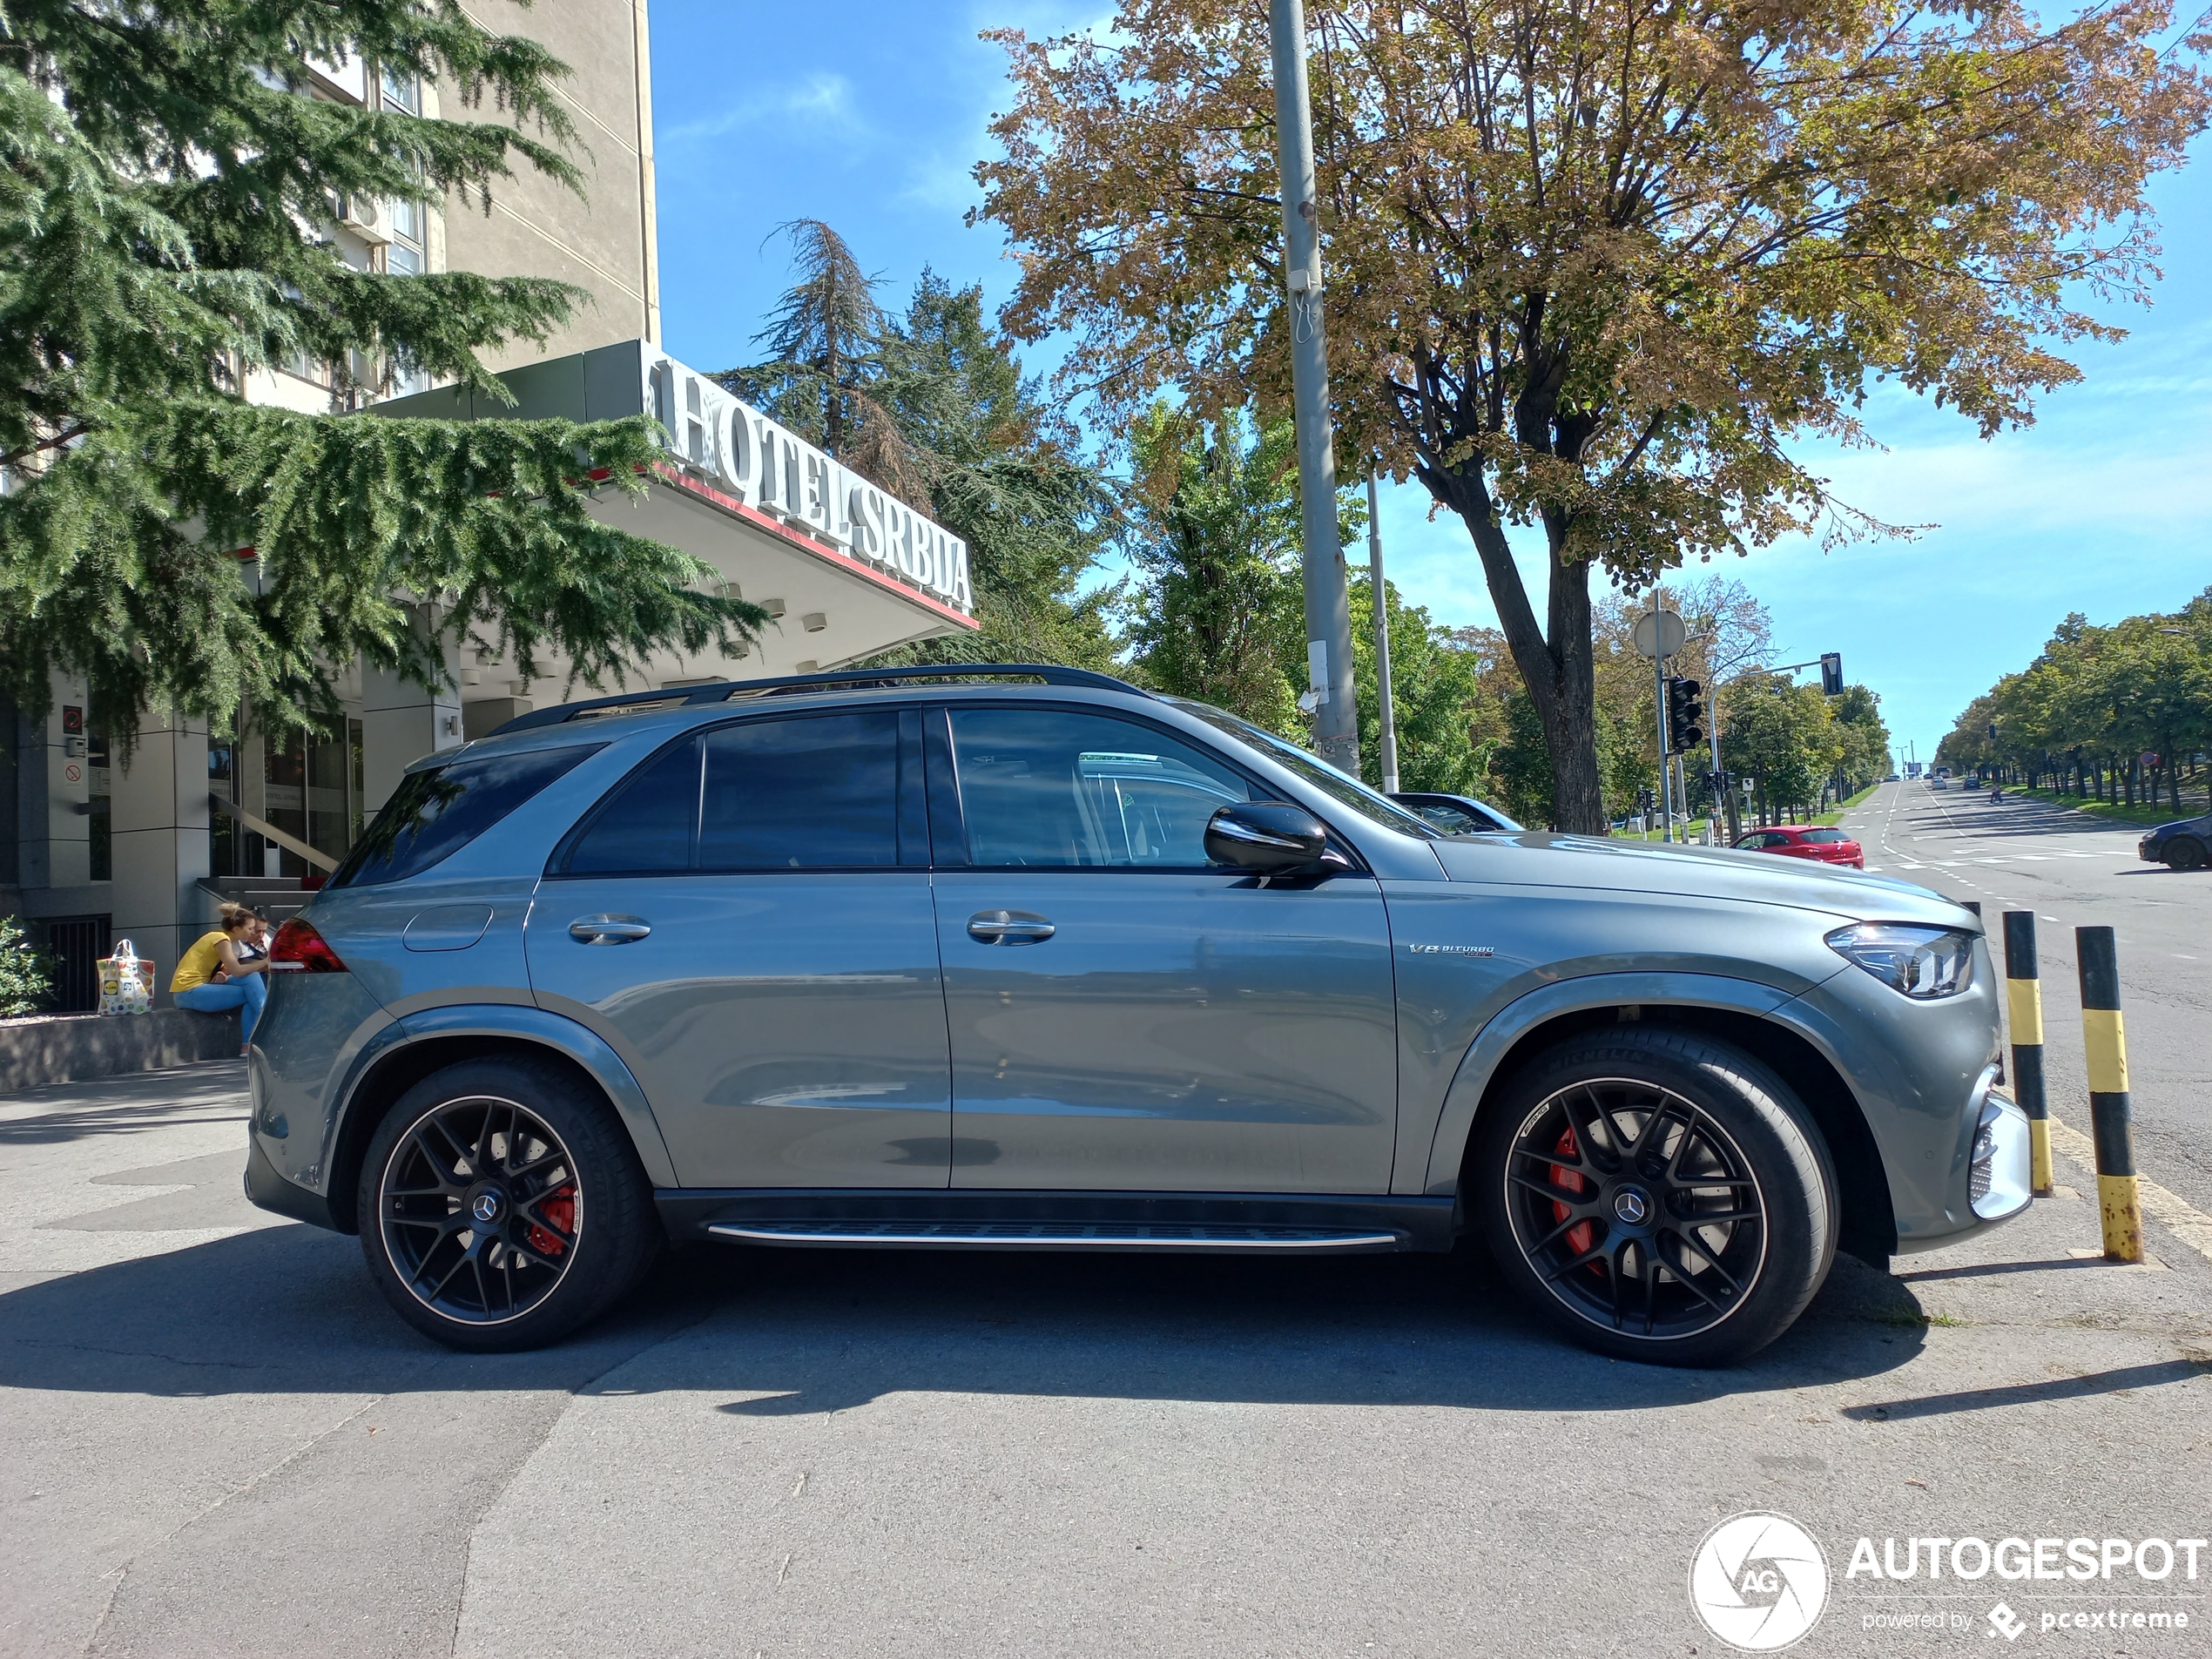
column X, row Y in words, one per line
column 1748, row 1015
column 442, row 1037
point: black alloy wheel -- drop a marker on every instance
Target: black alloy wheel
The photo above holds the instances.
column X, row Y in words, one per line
column 1636, row 1208
column 481, row 1210
column 501, row 1205
column 1658, row 1195
column 2185, row 853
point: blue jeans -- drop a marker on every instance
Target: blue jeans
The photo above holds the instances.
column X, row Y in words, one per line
column 245, row 994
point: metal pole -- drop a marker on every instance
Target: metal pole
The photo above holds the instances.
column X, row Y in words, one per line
column 2119, row 1200
column 1659, row 699
column 1723, row 802
column 1383, row 717
column 2024, row 1003
column 1328, row 607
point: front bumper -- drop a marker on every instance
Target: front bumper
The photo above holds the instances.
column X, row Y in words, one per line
column 2000, row 1172
column 2147, row 850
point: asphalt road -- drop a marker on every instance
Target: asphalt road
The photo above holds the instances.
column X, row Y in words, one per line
column 2074, row 871
column 214, row 1439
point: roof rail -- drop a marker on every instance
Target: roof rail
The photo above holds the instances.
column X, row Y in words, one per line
column 730, row 691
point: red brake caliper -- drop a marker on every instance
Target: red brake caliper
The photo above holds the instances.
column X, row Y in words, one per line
column 1580, row 1235
column 560, row 1210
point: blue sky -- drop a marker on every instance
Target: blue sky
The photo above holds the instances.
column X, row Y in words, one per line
column 870, row 115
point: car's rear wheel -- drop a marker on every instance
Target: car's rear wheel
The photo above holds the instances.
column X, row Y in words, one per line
column 502, row 1206
column 1658, row 1195
column 2184, row 852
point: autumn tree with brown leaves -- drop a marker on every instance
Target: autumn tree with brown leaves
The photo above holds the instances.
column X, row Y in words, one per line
column 1595, row 265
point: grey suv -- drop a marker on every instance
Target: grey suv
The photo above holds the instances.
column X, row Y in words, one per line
column 1026, row 958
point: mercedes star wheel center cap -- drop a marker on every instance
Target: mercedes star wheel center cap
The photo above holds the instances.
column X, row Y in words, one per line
column 1631, row 1206
column 485, row 1208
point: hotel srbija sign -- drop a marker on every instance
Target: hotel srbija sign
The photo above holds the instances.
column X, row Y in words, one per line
column 744, row 454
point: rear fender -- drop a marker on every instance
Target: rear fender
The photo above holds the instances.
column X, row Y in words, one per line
column 509, row 1023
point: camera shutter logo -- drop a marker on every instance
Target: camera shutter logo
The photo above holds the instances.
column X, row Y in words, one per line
column 1758, row 1582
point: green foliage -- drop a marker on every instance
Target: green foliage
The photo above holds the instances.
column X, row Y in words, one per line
column 1218, row 613
column 163, row 207
column 2094, row 702
column 1435, row 695
column 26, row 972
column 933, row 406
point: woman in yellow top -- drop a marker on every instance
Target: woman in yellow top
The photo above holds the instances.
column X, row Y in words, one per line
column 212, row 977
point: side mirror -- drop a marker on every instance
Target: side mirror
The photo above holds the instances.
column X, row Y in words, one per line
column 1269, row 838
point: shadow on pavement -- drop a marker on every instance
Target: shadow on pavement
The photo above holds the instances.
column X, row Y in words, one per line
column 290, row 1308
column 1982, row 1399
column 211, row 1093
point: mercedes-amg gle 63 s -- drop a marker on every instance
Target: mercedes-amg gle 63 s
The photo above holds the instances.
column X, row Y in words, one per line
column 1027, row 959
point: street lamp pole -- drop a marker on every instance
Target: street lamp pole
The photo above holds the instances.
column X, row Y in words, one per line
column 1328, row 606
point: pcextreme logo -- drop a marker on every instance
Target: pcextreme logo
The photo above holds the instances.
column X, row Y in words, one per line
column 1758, row 1582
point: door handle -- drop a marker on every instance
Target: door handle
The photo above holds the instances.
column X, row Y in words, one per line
column 1007, row 927
column 608, row 930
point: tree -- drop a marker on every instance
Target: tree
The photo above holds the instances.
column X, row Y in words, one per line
column 2094, row 703
column 1594, row 267
column 1212, row 532
column 1784, row 739
column 1445, row 734
column 163, row 202
column 934, row 408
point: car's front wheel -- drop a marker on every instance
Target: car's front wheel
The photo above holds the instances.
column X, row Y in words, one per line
column 2184, row 852
column 501, row 1205
column 1658, row 1195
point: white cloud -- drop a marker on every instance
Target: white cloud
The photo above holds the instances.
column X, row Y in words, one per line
column 822, row 98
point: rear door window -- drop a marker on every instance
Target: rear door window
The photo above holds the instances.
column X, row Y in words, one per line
column 437, row 811
column 824, row 791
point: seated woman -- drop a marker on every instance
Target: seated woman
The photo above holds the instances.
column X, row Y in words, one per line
column 215, row 977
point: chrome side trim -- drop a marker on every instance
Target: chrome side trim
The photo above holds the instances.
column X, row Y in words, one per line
column 909, row 1235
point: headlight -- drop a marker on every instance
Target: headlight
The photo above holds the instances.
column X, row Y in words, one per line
column 1921, row 962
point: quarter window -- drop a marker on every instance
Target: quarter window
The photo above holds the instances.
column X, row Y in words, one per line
column 650, row 825
column 1052, row 789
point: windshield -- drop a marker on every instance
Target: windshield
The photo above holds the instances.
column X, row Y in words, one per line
column 1377, row 809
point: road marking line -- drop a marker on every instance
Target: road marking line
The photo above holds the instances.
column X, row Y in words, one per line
column 2186, row 1222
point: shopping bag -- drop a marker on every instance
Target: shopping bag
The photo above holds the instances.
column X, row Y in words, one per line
column 126, row 980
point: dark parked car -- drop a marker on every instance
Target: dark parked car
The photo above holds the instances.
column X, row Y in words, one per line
column 2185, row 844
column 1456, row 814
column 996, row 958
column 1822, row 846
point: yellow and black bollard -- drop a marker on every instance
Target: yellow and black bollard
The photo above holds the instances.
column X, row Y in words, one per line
column 2105, row 1039
column 2024, row 1004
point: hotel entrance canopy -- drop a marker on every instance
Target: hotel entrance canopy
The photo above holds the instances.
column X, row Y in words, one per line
column 846, row 569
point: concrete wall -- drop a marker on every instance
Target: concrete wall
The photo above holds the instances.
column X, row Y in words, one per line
column 604, row 242
column 62, row 1049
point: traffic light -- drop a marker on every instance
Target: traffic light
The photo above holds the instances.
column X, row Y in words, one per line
column 1685, row 714
column 1831, row 674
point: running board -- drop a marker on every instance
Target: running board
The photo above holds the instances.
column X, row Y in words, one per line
column 1058, row 1234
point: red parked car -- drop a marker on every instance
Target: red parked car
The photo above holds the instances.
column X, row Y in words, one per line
column 1826, row 846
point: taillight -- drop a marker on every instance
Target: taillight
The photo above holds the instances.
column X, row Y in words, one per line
column 298, row 949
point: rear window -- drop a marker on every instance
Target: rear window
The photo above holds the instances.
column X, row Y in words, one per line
column 437, row 811
column 1825, row 838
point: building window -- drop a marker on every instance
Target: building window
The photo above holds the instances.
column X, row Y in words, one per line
column 100, row 788
column 402, row 92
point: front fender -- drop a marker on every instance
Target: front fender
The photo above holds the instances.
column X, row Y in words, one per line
column 544, row 1030
column 1447, row 1150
